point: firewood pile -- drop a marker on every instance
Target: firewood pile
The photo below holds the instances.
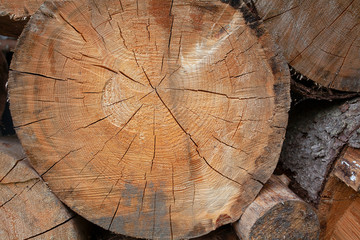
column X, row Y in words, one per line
column 180, row 119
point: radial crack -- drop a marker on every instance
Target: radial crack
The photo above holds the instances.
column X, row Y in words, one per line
column 93, row 123
column 12, row 168
column 37, row 121
column 2, row 205
column 128, row 148
column 58, row 161
column 147, row 77
column 38, row 75
column 131, row 79
column 226, row 144
column 116, row 210
column 103, row 147
column 154, row 154
column 251, row 175
column 196, row 145
column 171, row 227
column 72, row 26
column 120, row 101
column 39, row 234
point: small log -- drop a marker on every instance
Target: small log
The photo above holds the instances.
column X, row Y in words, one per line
column 339, row 205
column 27, row 207
column 319, row 38
column 140, row 114
column 277, row 213
column 14, row 14
column 347, row 168
column 316, row 135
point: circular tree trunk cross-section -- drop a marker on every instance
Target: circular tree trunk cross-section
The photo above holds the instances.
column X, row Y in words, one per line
column 320, row 39
column 154, row 119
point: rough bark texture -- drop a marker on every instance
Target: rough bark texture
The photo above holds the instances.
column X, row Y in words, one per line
column 154, row 119
column 316, row 134
column 277, row 213
column 14, row 14
column 338, row 211
column 28, row 209
column 320, row 39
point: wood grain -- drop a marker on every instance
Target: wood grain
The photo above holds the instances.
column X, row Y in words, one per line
column 338, row 211
column 320, row 39
column 28, row 209
column 347, row 168
column 153, row 119
column 277, row 213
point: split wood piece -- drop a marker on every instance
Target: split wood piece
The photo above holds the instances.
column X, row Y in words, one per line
column 320, row 39
column 347, row 168
column 153, row 119
column 338, row 211
column 4, row 72
column 14, row 14
column 27, row 207
column 315, row 137
column 277, row 213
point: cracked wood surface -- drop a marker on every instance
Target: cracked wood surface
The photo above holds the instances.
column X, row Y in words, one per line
column 338, row 210
column 28, row 209
column 153, row 119
column 277, row 213
column 320, row 39
column 14, row 14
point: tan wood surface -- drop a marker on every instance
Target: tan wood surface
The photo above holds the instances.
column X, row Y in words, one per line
column 277, row 213
column 154, row 119
column 28, row 209
column 339, row 210
column 320, row 39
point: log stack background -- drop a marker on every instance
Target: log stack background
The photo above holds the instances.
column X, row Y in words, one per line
column 314, row 193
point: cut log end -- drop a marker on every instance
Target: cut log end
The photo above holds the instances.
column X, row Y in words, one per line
column 27, row 207
column 277, row 213
column 318, row 38
column 161, row 113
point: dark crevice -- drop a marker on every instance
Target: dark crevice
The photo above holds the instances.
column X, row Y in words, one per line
column 38, row 75
column 37, row 121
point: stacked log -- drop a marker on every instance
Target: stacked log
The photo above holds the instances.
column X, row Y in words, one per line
column 124, row 136
column 319, row 38
column 164, row 119
column 277, row 213
column 28, row 209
